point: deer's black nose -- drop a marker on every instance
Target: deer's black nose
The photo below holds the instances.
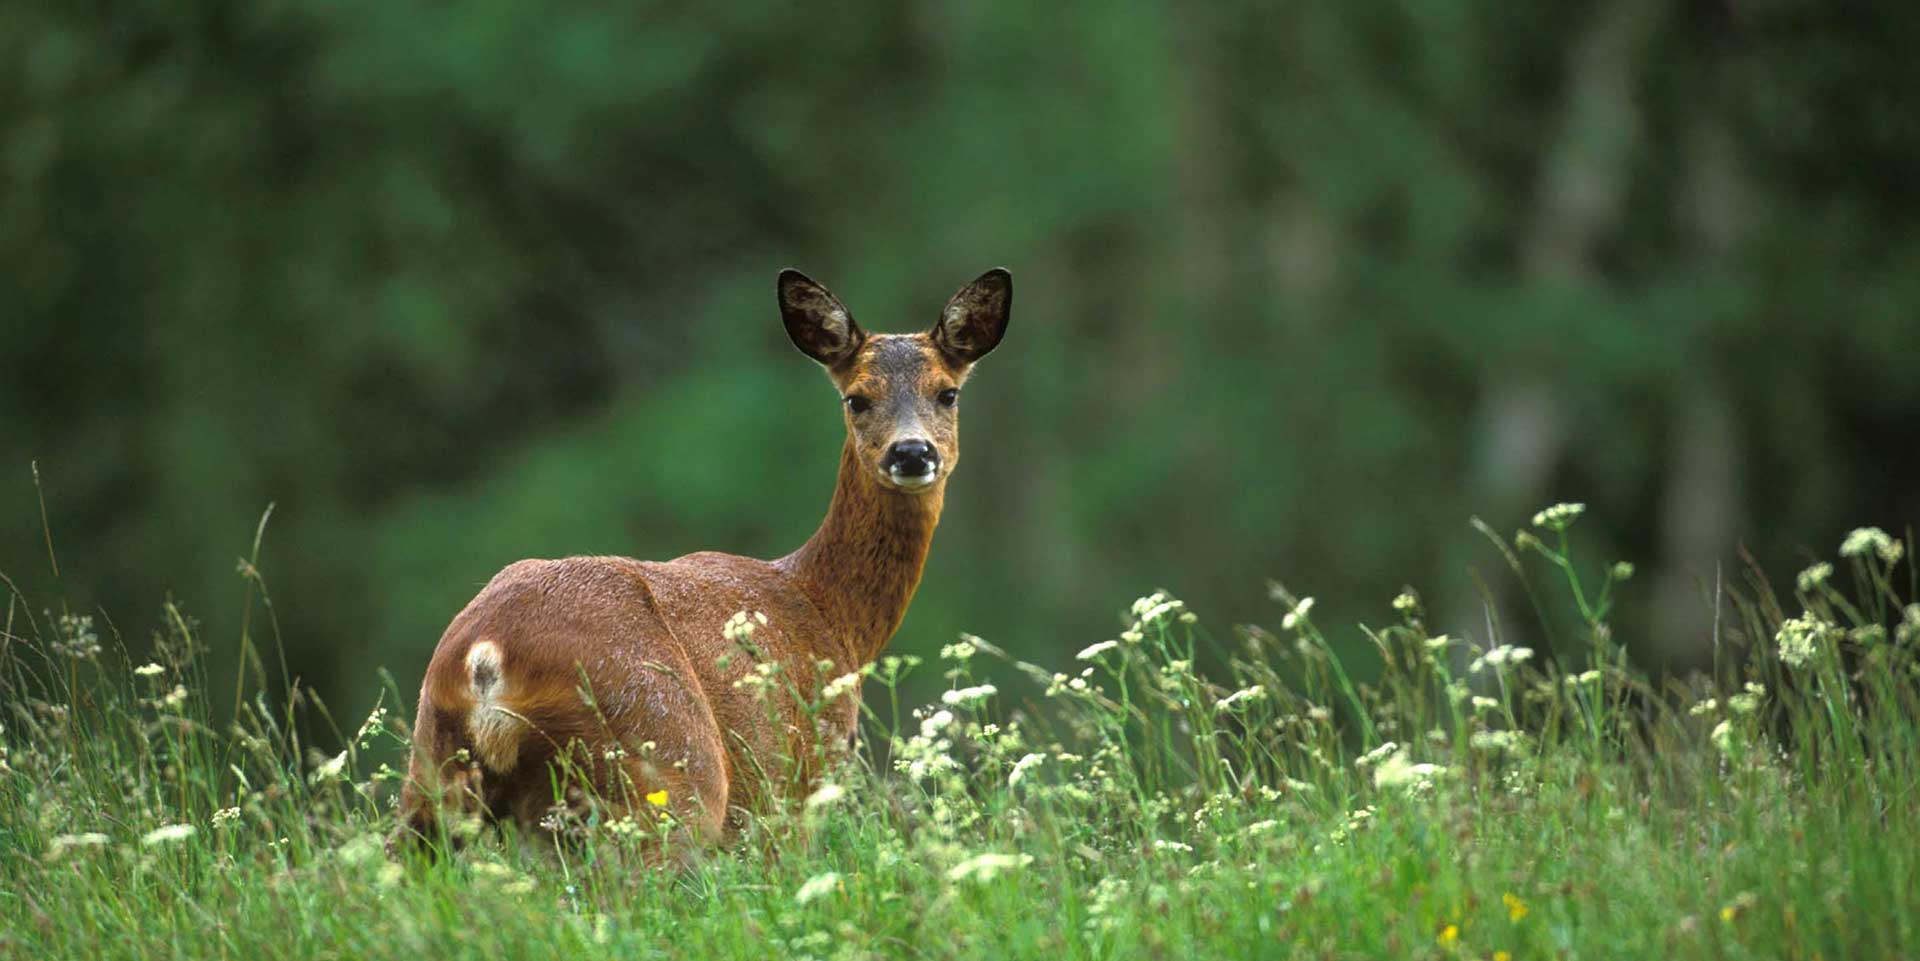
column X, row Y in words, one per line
column 911, row 458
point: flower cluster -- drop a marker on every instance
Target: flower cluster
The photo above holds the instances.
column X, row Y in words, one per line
column 1241, row 699
column 1500, row 657
column 969, row 696
column 1152, row 608
column 1296, row 619
column 986, row 867
column 1864, row 540
column 1814, row 577
column 1559, row 517
column 1399, row 771
column 1801, row 639
column 740, row 627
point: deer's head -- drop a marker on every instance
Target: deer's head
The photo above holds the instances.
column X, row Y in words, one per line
column 900, row 392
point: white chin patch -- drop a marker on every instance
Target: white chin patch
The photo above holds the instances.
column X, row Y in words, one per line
column 913, row 482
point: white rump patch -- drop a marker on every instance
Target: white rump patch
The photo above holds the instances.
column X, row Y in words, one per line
column 494, row 727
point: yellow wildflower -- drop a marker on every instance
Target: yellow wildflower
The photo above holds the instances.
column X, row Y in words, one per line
column 1738, row 906
column 1449, row 936
column 1516, row 908
column 658, row 798
column 1503, row 956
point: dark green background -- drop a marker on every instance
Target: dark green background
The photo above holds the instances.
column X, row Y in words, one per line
column 1300, row 287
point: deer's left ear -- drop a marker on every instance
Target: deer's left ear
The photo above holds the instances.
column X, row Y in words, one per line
column 975, row 319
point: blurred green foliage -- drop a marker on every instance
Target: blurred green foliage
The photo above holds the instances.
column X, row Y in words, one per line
column 1300, row 287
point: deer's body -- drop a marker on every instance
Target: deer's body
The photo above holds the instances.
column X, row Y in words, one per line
column 615, row 679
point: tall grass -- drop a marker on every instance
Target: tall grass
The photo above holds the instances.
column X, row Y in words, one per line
column 1472, row 801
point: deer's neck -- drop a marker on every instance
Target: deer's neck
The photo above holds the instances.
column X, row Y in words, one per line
column 862, row 566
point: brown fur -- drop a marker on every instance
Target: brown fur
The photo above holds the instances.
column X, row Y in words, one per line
column 613, row 678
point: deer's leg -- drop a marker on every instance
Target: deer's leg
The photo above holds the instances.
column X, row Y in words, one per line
column 658, row 753
column 694, row 799
column 660, row 805
column 443, row 789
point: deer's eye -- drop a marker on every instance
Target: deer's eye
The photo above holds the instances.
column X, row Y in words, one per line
column 858, row 404
column 948, row 397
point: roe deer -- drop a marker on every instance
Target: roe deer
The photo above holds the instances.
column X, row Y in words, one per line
column 615, row 679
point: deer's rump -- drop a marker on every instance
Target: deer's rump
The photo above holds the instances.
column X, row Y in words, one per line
column 611, row 678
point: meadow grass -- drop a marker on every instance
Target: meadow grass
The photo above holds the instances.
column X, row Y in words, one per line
column 1469, row 801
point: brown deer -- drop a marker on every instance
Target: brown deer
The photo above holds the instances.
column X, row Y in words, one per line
column 617, row 679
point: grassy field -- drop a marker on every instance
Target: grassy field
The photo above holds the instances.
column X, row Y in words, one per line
column 1471, row 801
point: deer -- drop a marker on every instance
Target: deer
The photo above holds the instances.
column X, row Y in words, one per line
column 630, row 685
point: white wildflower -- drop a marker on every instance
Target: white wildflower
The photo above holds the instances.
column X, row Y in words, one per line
column 817, row 886
column 1499, row 742
column 1376, row 755
column 969, row 696
column 1485, row 703
column 1398, row 772
column 1559, row 517
column 1297, row 617
column 1022, row 766
column 1147, row 610
column 330, row 768
column 1405, row 602
column 167, row 834
column 825, row 795
column 1104, row 903
column 359, row 850
column 1241, row 698
column 959, row 651
column 1799, row 638
column 1909, row 629
column 1864, row 539
column 1749, row 701
column 1176, row 846
column 739, row 628
column 1811, row 578
column 1704, row 708
column 1501, row 656
column 1094, row 651
column 371, row 724
column 61, row 844
column 840, row 686
column 149, row 670
column 985, row 867
column 1723, row 737
column 935, row 723
column 225, row 816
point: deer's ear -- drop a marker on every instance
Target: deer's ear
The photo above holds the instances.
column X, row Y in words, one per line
column 975, row 319
column 817, row 322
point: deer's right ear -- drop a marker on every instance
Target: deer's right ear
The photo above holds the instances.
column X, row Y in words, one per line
column 817, row 322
